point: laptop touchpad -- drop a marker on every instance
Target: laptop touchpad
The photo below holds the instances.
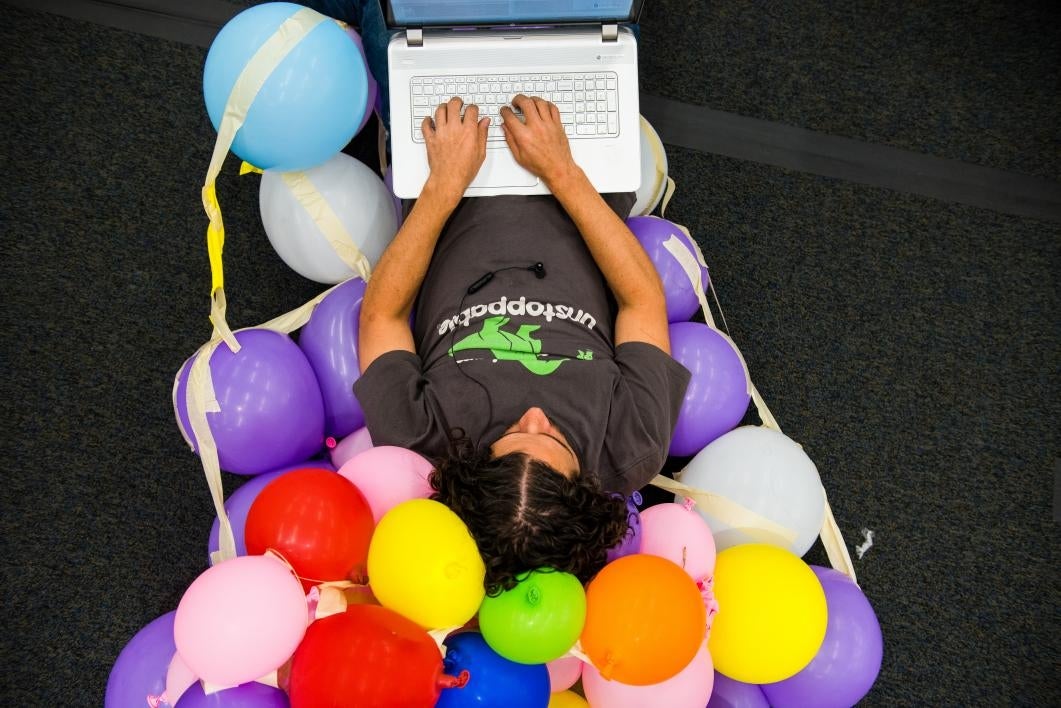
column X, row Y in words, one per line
column 501, row 170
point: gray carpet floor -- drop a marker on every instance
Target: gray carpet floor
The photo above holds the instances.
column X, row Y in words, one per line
column 911, row 345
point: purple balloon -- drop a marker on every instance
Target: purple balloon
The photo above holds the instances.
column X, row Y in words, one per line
column 652, row 232
column 329, row 341
column 631, row 543
column 717, row 397
column 247, row 695
column 849, row 659
column 140, row 670
column 728, row 693
column 272, row 414
column 238, row 504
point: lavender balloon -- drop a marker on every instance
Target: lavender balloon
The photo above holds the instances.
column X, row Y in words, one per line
column 238, row 504
column 631, row 543
column 246, row 695
column 847, row 664
column 729, row 693
column 652, row 233
column 140, row 670
column 271, row 413
column 329, row 341
column 717, row 397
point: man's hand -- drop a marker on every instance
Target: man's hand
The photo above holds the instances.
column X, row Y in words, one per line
column 456, row 147
column 538, row 142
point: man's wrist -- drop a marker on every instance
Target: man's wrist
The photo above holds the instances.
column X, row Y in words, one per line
column 564, row 179
column 444, row 195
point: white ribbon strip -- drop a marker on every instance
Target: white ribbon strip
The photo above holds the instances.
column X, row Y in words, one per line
column 328, row 222
column 691, row 263
column 200, row 400
column 730, row 513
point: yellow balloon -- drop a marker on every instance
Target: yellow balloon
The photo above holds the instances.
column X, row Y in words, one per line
column 772, row 614
column 424, row 564
column 567, row 699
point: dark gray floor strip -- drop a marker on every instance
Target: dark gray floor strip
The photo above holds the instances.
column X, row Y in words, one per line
column 743, row 138
column 681, row 124
column 188, row 21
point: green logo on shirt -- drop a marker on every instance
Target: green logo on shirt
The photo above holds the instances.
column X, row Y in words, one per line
column 508, row 346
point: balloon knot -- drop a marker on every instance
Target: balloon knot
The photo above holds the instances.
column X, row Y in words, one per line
column 157, row 701
column 689, row 503
column 330, row 442
column 458, row 681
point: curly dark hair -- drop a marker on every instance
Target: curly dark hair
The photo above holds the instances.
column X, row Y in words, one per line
column 525, row 515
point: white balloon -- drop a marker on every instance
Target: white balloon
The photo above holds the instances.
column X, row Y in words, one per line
column 653, row 171
column 360, row 201
column 766, row 472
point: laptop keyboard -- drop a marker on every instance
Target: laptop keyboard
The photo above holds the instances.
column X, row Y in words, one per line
column 588, row 102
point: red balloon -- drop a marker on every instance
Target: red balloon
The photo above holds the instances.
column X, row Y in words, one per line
column 367, row 656
column 317, row 520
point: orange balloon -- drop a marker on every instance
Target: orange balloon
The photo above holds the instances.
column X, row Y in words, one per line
column 645, row 620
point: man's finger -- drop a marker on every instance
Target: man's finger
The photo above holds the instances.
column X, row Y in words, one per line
column 454, row 111
column 542, row 105
column 510, row 138
column 440, row 114
column 510, row 121
column 471, row 113
column 527, row 105
column 427, row 126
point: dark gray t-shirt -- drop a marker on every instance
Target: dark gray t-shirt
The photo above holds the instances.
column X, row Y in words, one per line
column 529, row 341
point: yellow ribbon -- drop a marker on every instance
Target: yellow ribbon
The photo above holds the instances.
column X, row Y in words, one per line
column 246, row 88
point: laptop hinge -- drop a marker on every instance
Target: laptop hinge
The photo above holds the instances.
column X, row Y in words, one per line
column 610, row 33
column 414, row 37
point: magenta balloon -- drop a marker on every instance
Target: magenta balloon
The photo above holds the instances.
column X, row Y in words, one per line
column 846, row 666
column 717, row 397
column 728, row 693
column 272, row 413
column 140, row 670
column 238, row 504
column 631, row 543
column 329, row 341
column 652, row 232
column 246, row 695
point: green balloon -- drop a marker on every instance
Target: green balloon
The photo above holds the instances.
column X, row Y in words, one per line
column 538, row 620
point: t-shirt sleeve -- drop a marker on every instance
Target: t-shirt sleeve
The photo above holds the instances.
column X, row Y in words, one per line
column 649, row 395
column 395, row 399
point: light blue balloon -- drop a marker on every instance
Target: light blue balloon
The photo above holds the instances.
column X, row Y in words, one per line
column 311, row 105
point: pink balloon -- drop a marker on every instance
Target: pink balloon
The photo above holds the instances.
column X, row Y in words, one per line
column 240, row 620
column 563, row 673
column 352, row 445
column 387, row 476
column 689, row 688
column 179, row 678
column 679, row 534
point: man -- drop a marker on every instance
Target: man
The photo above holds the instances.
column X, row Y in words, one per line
column 537, row 373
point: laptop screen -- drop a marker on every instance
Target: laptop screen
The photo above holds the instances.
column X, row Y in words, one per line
column 455, row 13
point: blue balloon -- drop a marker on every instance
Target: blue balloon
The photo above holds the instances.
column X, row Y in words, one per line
column 140, row 670
column 493, row 680
column 309, row 107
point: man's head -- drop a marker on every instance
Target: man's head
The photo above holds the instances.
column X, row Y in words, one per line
column 537, row 437
column 525, row 514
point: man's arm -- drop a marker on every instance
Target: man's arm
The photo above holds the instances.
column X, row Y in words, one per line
column 541, row 146
column 456, row 148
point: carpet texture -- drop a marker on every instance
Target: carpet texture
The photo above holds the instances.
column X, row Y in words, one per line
column 910, row 345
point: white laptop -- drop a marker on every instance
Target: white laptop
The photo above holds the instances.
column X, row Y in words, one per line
column 579, row 54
